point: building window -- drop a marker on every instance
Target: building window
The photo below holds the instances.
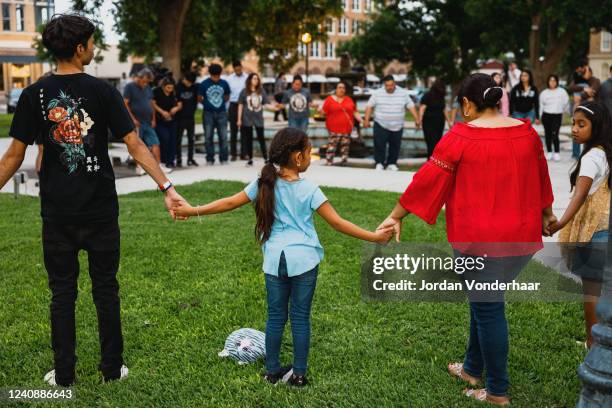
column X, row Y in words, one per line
column 43, row 13
column 606, row 41
column 330, row 50
column 355, row 27
column 368, row 6
column 315, row 49
column 302, row 49
column 343, row 29
column 19, row 26
column 329, row 25
column 6, row 17
column 357, row 5
column 344, row 4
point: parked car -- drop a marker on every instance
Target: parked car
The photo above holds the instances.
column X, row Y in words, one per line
column 13, row 98
column 357, row 90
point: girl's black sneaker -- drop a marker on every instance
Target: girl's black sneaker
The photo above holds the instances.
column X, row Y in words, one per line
column 274, row 378
column 298, row 381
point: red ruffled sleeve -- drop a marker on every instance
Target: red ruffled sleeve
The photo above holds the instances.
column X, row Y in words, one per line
column 547, row 191
column 432, row 184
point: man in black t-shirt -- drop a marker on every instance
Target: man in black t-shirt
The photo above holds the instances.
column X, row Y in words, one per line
column 187, row 94
column 71, row 112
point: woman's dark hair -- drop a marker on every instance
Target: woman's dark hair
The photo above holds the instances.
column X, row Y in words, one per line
column 438, row 91
column 249, row 80
column 166, row 81
column 64, row 33
column 601, row 135
column 285, row 142
column 297, row 78
column 190, row 76
column 531, row 83
column 215, row 69
column 480, row 89
column 502, row 79
column 342, row 83
column 552, row 76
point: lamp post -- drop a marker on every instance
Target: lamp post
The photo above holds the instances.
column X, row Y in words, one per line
column 306, row 40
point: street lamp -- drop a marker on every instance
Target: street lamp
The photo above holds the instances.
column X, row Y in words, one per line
column 307, row 39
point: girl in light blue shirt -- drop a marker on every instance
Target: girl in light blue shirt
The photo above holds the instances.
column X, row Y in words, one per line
column 284, row 205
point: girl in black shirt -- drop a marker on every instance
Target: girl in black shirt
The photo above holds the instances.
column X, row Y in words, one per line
column 524, row 99
column 166, row 106
column 433, row 115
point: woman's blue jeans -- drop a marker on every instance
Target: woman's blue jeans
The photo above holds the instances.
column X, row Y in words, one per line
column 487, row 349
column 289, row 296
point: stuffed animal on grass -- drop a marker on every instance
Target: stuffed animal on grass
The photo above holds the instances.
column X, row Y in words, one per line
column 245, row 346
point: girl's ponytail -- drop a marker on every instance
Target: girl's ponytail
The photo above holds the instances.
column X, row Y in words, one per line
column 264, row 205
column 285, row 142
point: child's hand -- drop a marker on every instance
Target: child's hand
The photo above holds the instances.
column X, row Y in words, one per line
column 550, row 225
column 383, row 235
column 183, row 209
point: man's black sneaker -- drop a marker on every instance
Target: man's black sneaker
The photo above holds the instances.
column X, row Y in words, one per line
column 192, row 163
column 274, row 378
column 298, row 381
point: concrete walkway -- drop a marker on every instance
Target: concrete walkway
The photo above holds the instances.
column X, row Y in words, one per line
column 348, row 177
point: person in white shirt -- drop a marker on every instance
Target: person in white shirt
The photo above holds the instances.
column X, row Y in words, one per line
column 514, row 75
column 390, row 104
column 236, row 82
column 553, row 102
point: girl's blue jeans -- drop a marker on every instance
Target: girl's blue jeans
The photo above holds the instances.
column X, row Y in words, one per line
column 289, row 296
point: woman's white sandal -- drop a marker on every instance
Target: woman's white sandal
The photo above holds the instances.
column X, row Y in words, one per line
column 481, row 395
column 456, row 369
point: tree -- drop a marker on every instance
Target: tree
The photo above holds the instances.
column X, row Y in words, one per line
column 448, row 38
column 88, row 10
column 437, row 37
column 226, row 29
column 547, row 31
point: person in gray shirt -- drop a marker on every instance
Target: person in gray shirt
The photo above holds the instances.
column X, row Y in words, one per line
column 605, row 92
column 251, row 103
column 138, row 98
column 300, row 102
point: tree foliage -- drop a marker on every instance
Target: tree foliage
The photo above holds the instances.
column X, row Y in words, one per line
column 225, row 29
column 448, row 38
column 89, row 10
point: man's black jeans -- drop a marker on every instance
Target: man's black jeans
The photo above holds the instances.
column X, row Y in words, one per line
column 61, row 245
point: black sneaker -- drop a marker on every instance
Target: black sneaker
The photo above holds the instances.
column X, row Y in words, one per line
column 192, row 162
column 274, row 378
column 298, row 381
column 179, row 165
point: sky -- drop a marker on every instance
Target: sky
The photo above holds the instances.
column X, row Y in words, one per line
column 63, row 6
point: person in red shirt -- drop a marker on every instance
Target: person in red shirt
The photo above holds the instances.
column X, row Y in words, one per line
column 491, row 174
column 340, row 113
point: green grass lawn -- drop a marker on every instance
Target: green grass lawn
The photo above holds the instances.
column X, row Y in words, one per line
column 186, row 286
column 5, row 123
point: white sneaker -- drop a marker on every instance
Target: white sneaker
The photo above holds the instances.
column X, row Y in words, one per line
column 49, row 378
column 549, row 156
column 392, row 167
column 124, row 373
column 140, row 171
column 557, row 157
column 166, row 169
column 380, row 167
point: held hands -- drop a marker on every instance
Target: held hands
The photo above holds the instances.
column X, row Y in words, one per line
column 384, row 235
column 550, row 225
column 395, row 224
column 171, row 199
column 183, row 209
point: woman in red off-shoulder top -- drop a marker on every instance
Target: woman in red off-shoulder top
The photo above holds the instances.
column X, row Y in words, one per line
column 492, row 175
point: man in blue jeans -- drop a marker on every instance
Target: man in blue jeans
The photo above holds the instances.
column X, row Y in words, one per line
column 214, row 93
column 299, row 100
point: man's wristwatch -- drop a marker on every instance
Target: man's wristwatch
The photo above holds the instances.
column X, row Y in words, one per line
column 165, row 187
